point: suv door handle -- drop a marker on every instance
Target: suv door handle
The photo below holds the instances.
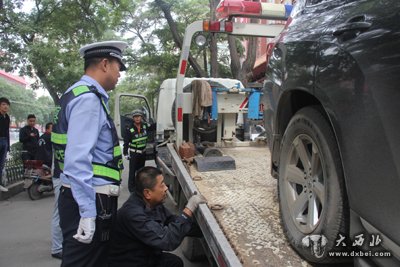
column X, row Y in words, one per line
column 351, row 26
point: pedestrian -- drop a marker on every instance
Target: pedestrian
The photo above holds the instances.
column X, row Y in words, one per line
column 135, row 141
column 45, row 149
column 29, row 137
column 145, row 228
column 88, row 158
column 4, row 137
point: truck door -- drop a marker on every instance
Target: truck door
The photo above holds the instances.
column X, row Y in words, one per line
column 123, row 107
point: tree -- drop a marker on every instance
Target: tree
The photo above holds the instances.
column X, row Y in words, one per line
column 44, row 42
column 166, row 8
column 240, row 70
column 154, row 56
column 45, row 110
column 23, row 102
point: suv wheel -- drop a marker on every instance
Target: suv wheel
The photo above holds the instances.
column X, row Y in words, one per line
column 311, row 187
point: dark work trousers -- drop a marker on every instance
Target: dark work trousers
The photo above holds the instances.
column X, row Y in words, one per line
column 3, row 156
column 75, row 253
column 136, row 162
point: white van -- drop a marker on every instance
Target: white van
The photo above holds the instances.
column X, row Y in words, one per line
column 166, row 98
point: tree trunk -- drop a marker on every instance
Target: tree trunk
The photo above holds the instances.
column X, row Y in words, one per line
column 248, row 64
column 52, row 91
column 166, row 8
column 235, row 59
column 242, row 71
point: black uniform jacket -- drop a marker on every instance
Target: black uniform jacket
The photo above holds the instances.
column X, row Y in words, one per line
column 141, row 234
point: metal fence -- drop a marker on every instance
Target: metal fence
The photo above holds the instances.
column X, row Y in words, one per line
column 14, row 167
column 14, row 172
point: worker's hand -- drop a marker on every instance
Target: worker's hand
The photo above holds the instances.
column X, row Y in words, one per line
column 195, row 201
column 86, row 229
column 128, row 157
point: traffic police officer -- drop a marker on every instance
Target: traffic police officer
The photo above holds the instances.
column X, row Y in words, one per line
column 135, row 140
column 88, row 157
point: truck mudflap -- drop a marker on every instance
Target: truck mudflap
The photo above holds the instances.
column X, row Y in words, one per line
column 213, row 235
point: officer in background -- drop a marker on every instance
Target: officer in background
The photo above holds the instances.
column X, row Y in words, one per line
column 88, row 158
column 145, row 228
column 135, row 141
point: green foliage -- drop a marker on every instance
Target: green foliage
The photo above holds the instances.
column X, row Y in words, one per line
column 45, row 110
column 154, row 55
column 44, row 43
column 15, row 152
column 23, row 102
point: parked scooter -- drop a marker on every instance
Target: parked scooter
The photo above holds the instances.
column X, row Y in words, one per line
column 37, row 178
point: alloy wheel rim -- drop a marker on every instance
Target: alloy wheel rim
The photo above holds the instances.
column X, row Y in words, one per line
column 305, row 184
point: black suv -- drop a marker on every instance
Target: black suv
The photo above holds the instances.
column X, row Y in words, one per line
column 333, row 125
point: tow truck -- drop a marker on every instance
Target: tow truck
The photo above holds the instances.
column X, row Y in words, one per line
column 240, row 223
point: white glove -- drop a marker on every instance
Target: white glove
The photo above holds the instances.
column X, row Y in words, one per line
column 128, row 157
column 194, row 202
column 86, row 229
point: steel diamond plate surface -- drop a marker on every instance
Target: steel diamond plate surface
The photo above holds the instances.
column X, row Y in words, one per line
column 249, row 215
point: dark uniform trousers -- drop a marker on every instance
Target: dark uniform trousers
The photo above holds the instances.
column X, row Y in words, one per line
column 75, row 253
column 136, row 162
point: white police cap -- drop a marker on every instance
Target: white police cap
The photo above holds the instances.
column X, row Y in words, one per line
column 104, row 49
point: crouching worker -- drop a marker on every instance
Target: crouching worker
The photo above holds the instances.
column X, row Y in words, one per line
column 145, row 228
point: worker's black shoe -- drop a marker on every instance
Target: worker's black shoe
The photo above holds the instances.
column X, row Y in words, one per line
column 57, row 255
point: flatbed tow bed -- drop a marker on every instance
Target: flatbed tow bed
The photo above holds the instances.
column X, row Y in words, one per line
column 246, row 231
column 240, row 223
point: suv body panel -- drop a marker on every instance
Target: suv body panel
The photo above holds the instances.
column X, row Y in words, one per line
column 348, row 62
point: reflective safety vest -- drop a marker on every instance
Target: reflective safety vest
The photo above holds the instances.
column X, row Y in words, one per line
column 139, row 139
column 111, row 170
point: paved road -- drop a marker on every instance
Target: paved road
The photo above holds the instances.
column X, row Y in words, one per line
column 25, row 237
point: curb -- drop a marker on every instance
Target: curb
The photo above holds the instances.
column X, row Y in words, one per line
column 13, row 189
